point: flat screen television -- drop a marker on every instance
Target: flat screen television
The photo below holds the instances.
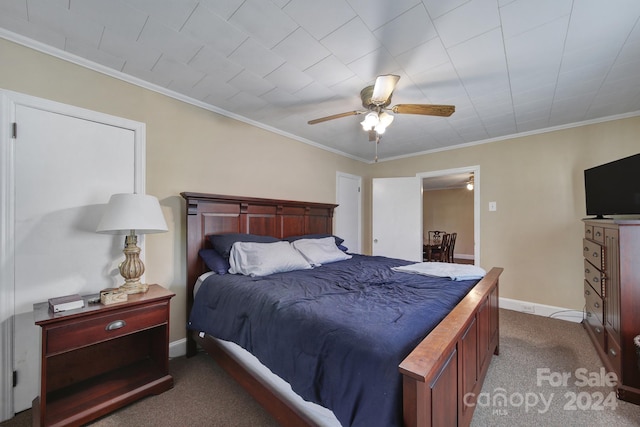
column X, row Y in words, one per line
column 613, row 188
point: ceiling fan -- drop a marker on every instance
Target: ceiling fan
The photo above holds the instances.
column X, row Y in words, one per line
column 376, row 100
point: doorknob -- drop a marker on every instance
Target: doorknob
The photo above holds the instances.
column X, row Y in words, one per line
column 375, row 240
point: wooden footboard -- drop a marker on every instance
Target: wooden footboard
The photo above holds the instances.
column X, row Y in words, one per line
column 443, row 375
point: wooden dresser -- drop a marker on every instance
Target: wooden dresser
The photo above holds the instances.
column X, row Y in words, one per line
column 611, row 251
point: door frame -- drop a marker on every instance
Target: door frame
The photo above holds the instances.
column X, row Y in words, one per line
column 8, row 102
column 476, row 200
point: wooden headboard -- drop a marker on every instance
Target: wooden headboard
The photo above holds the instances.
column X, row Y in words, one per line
column 208, row 214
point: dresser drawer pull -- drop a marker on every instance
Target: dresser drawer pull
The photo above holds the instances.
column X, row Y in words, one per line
column 598, row 330
column 587, row 292
column 587, row 271
column 596, row 305
column 613, row 352
column 596, row 280
column 116, row 324
column 595, row 255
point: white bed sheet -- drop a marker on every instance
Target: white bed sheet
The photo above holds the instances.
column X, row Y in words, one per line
column 319, row 415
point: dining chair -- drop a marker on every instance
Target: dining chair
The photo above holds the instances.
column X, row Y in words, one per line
column 439, row 252
column 451, row 246
column 434, row 243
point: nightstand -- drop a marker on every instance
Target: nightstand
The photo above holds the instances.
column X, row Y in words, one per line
column 99, row 358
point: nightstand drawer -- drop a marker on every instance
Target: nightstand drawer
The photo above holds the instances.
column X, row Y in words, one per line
column 79, row 333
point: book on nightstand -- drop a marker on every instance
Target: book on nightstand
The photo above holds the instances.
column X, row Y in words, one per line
column 67, row 302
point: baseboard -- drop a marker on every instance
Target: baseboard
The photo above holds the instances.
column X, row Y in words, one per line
column 178, row 348
column 541, row 310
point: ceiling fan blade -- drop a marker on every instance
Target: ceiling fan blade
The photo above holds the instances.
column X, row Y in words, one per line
column 424, row 109
column 335, row 116
column 383, row 88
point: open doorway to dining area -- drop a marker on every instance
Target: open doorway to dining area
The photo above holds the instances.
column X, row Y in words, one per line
column 450, row 215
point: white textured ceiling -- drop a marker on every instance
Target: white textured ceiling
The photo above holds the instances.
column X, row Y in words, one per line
column 509, row 67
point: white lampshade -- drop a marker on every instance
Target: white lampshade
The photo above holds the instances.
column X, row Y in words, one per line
column 127, row 212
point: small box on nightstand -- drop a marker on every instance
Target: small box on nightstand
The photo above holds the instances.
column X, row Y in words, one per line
column 112, row 296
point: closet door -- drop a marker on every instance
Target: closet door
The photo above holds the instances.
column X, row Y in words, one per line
column 65, row 164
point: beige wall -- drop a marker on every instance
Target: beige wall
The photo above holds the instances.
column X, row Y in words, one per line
column 537, row 182
column 451, row 211
column 188, row 149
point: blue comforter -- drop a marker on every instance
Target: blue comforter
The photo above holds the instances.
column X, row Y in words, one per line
column 336, row 333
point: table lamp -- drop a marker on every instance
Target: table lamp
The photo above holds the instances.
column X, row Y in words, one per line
column 132, row 214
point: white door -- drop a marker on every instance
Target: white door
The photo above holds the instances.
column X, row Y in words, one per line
column 65, row 168
column 397, row 218
column 348, row 213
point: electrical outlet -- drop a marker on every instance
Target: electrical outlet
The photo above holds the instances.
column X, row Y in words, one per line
column 526, row 308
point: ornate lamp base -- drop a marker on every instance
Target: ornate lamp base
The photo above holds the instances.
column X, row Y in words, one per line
column 132, row 267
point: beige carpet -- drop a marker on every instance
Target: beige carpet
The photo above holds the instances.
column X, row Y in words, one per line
column 204, row 395
column 530, row 343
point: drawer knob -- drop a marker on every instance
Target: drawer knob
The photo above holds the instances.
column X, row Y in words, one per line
column 587, row 292
column 598, row 330
column 116, row 324
column 596, row 280
column 596, row 305
column 613, row 352
column 595, row 254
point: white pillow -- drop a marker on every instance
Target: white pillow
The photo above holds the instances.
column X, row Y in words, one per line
column 262, row 259
column 320, row 251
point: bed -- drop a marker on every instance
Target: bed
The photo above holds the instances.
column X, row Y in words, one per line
column 440, row 377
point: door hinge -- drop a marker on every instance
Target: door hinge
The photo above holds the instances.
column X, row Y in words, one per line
column 14, row 130
column 15, row 378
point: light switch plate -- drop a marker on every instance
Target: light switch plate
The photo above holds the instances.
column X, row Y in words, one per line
column 493, row 206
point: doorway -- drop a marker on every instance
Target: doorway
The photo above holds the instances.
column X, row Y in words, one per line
column 448, row 187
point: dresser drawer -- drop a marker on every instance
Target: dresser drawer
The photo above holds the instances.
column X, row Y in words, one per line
column 79, row 333
column 594, row 304
column 592, row 323
column 594, row 276
column 592, row 252
column 598, row 234
column 588, row 231
column 614, row 356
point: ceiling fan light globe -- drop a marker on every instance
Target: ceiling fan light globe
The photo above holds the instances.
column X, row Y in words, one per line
column 385, row 119
column 370, row 121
